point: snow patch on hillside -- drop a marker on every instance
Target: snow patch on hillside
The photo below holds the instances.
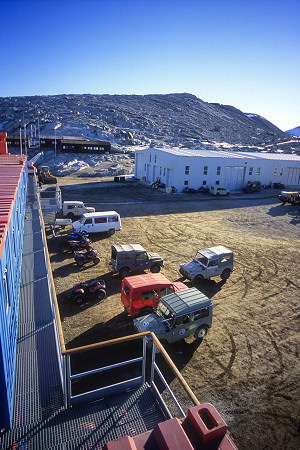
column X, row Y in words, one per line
column 87, row 165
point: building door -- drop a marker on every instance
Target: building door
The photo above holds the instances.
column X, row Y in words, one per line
column 169, row 181
column 234, row 177
column 293, row 178
column 148, row 175
column 154, row 174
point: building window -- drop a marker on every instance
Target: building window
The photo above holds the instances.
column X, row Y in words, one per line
column 258, row 171
column 204, row 183
column 186, row 183
column 150, row 158
column 250, row 170
column 6, row 291
column 187, row 170
column 160, row 171
column 155, row 158
column 164, row 172
column 275, row 172
column 113, row 219
column 205, row 170
column 218, row 170
column 14, row 242
column 217, row 182
column 281, row 172
column 145, row 168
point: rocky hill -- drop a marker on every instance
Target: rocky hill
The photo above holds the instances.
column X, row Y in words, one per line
column 180, row 120
column 294, row 131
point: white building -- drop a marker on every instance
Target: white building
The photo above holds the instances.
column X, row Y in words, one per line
column 231, row 170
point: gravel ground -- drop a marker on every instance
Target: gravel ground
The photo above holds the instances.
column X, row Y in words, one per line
column 248, row 364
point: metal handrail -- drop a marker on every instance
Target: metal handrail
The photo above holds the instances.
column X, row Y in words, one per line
column 146, row 336
column 102, row 369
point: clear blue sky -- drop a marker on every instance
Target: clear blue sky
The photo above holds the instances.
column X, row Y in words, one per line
column 245, row 53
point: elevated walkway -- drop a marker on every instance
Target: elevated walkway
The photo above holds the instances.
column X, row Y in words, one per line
column 41, row 420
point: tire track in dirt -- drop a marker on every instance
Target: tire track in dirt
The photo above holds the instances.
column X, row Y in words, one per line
column 151, row 237
column 226, row 369
column 250, row 352
column 282, row 437
column 291, row 283
column 276, row 348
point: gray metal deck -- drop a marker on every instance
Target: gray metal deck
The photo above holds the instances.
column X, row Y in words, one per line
column 40, row 420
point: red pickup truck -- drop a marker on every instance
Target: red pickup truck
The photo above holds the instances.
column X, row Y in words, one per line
column 141, row 293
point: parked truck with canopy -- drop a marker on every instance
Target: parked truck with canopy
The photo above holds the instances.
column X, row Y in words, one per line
column 208, row 263
column 178, row 316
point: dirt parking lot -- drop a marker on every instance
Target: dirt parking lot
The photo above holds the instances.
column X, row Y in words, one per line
column 248, row 364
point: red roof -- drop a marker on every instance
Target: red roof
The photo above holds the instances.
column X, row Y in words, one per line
column 147, row 279
column 11, row 168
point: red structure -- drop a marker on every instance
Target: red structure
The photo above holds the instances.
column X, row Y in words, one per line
column 203, row 428
column 3, row 144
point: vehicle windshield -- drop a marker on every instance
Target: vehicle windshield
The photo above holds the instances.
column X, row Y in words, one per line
column 114, row 254
column 201, row 258
column 163, row 311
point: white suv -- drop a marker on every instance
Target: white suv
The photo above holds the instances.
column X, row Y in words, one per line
column 215, row 190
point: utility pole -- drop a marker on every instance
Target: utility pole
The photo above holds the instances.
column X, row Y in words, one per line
column 55, row 141
column 21, row 141
column 39, row 131
column 25, row 144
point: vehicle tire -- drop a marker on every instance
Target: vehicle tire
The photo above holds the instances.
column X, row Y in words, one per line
column 89, row 248
column 218, row 194
column 111, row 231
column 78, row 299
column 227, row 194
column 124, row 272
column 145, row 311
column 70, row 216
column 96, row 260
column 225, row 274
column 198, row 280
column 201, row 332
column 80, row 262
column 155, row 268
column 101, row 294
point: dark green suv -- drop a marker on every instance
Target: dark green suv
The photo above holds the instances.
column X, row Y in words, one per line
column 133, row 258
column 178, row 315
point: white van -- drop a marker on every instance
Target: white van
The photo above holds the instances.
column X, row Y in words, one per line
column 99, row 222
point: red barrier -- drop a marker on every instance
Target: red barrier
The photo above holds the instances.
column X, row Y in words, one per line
column 170, row 435
column 207, row 421
column 125, row 443
column 3, row 143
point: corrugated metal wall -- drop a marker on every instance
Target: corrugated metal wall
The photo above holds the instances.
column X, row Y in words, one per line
column 13, row 187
